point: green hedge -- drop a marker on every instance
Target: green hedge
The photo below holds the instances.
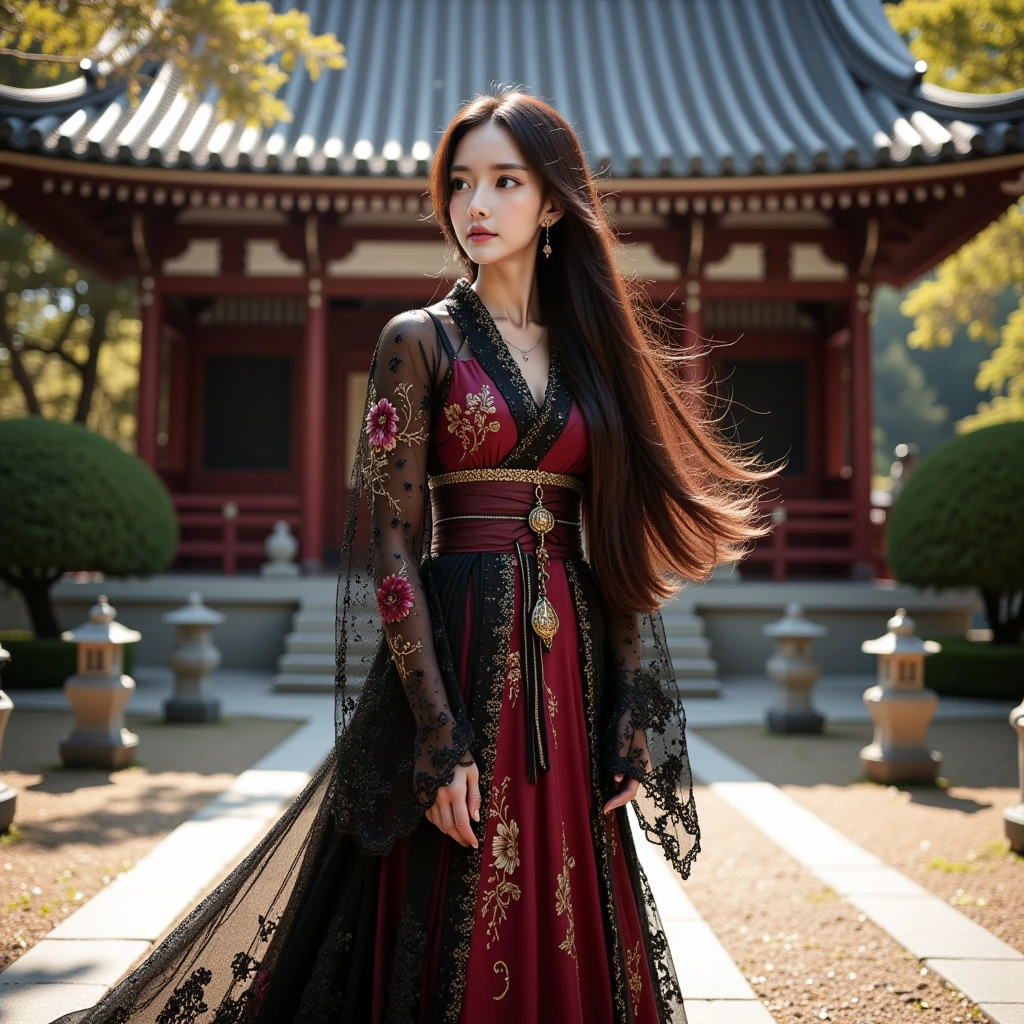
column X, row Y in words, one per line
column 43, row 663
column 965, row 668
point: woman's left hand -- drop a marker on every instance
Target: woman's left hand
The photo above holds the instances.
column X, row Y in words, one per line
column 624, row 795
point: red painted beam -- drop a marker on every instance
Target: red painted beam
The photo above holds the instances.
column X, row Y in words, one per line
column 147, row 415
column 314, row 415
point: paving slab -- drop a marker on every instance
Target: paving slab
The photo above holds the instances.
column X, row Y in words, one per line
column 74, row 961
column 40, row 1004
column 927, row 927
column 986, row 981
column 800, row 832
column 727, row 1011
column 704, row 968
column 1003, row 1013
column 870, row 880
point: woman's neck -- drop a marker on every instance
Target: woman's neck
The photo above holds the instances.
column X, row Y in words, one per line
column 511, row 296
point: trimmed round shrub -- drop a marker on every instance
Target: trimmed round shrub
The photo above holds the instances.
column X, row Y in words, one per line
column 969, row 668
column 72, row 500
column 959, row 522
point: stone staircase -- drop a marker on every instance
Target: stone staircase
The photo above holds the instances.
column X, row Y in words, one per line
column 307, row 664
column 690, row 650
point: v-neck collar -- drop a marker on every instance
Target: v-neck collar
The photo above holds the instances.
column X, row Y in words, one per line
column 464, row 291
column 537, row 426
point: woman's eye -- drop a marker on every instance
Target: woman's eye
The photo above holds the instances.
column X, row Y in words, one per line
column 506, row 177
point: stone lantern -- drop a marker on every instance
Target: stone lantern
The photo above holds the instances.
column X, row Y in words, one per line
column 1013, row 817
column 8, row 796
column 794, row 671
column 192, row 658
column 900, row 706
column 98, row 693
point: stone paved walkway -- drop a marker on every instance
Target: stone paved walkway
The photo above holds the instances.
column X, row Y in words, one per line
column 97, row 946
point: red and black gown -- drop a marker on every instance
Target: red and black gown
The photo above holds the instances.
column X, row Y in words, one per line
column 355, row 907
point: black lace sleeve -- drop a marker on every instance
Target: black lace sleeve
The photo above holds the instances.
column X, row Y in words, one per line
column 402, row 382
column 646, row 737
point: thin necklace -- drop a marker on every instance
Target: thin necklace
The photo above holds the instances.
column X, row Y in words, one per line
column 524, row 352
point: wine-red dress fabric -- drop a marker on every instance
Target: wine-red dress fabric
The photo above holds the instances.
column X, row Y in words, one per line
column 538, row 949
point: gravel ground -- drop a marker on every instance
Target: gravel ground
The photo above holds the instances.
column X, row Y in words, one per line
column 807, row 954
column 76, row 829
column 948, row 838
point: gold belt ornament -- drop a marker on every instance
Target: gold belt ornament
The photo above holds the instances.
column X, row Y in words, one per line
column 543, row 618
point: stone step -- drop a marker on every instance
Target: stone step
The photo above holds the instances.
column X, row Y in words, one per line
column 695, row 668
column 699, row 687
column 689, row 647
column 306, row 621
column 682, row 624
column 312, row 682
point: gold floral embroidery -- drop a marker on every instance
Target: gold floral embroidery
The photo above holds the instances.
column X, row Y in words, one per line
column 470, row 425
column 498, row 965
column 374, row 472
column 609, row 831
column 514, row 675
column 563, row 903
column 401, row 648
column 636, row 979
column 552, row 711
column 505, row 851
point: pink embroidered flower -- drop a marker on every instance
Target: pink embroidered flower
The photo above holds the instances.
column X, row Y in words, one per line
column 382, row 425
column 394, row 598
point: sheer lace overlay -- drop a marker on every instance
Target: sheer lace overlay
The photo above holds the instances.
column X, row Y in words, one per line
column 289, row 934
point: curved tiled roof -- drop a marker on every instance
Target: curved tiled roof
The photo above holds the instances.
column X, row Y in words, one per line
column 671, row 88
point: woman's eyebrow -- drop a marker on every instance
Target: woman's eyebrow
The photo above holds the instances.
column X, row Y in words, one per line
column 494, row 167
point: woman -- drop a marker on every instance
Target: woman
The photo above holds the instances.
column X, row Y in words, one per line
column 532, row 480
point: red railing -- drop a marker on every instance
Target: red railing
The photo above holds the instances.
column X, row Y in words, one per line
column 226, row 528
column 811, row 520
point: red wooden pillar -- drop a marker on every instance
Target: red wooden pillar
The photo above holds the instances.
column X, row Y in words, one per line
column 314, row 415
column 148, row 408
column 861, row 421
column 695, row 368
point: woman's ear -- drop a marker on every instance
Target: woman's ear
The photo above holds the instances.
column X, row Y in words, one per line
column 552, row 214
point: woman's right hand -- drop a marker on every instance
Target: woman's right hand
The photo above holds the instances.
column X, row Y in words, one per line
column 454, row 804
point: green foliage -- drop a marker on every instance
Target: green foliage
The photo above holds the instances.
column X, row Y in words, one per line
column 967, row 668
column 69, row 341
column 959, row 522
column 970, row 45
column 71, row 498
column 975, row 46
column 246, row 50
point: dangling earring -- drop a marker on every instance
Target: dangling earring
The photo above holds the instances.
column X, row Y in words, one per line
column 547, row 240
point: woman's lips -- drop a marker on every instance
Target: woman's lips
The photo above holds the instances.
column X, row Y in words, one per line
column 481, row 236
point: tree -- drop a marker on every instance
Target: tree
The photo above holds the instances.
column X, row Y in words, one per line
column 246, row 50
column 959, row 522
column 975, row 45
column 72, row 500
column 69, row 340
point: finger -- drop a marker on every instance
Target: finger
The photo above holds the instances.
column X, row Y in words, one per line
column 623, row 797
column 448, row 822
column 473, row 780
column 463, row 825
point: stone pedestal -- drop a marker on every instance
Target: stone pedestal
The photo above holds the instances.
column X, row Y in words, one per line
column 8, row 796
column 281, row 548
column 98, row 693
column 794, row 672
column 900, row 707
column 193, row 658
column 1013, row 817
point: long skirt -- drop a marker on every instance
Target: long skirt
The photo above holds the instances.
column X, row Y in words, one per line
column 540, row 943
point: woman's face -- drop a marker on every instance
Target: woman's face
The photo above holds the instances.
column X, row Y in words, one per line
column 493, row 189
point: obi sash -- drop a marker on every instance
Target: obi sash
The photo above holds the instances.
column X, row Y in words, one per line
column 536, row 515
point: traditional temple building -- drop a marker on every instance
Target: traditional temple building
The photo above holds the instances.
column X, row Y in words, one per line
column 768, row 164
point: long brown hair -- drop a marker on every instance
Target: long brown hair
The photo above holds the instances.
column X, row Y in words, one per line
column 669, row 497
